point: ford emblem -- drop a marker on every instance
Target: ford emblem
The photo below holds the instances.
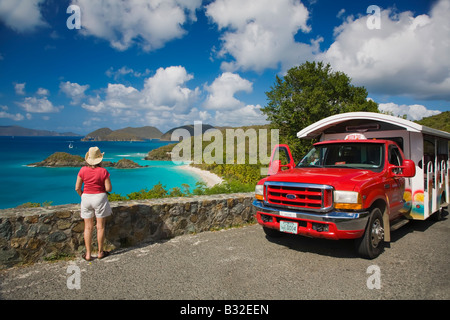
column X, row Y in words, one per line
column 291, row 196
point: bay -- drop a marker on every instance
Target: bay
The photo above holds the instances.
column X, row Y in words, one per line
column 20, row 183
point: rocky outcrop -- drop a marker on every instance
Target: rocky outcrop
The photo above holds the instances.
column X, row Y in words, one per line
column 63, row 159
column 163, row 153
column 60, row 159
column 126, row 164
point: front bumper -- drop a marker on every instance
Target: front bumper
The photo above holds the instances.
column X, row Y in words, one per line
column 331, row 225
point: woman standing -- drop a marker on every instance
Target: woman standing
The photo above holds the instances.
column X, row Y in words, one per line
column 94, row 200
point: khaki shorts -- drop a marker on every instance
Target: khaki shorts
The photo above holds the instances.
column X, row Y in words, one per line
column 97, row 204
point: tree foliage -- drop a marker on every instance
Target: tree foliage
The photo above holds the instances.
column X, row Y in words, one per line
column 307, row 94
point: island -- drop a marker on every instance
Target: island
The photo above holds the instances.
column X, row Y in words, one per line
column 64, row 159
column 21, row 131
column 125, row 134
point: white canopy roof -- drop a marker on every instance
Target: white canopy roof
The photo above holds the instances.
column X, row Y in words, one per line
column 319, row 127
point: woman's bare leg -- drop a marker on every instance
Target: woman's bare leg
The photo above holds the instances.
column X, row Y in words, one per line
column 88, row 226
column 100, row 234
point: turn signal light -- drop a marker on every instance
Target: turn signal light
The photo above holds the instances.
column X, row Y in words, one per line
column 348, row 206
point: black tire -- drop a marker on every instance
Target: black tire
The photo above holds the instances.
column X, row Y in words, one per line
column 273, row 233
column 371, row 244
column 439, row 215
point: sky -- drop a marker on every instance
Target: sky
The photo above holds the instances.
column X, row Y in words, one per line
column 80, row 65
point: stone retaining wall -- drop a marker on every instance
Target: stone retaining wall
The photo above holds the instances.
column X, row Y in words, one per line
column 36, row 234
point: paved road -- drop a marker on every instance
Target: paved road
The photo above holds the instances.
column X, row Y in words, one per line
column 242, row 263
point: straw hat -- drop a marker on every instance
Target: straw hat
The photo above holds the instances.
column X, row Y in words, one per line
column 94, row 156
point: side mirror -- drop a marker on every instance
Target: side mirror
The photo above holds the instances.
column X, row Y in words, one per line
column 274, row 167
column 282, row 152
column 406, row 170
column 409, row 168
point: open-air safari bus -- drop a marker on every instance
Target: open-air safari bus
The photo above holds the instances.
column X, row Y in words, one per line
column 368, row 174
column 426, row 193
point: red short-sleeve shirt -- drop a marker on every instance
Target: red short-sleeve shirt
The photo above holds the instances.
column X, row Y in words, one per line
column 93, row 179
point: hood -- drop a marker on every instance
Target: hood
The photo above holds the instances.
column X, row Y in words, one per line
column 339, row 178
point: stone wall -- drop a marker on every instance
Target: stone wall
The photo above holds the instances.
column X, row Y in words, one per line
column 37, row 234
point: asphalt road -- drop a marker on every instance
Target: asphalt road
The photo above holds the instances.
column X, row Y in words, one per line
column 242, row 264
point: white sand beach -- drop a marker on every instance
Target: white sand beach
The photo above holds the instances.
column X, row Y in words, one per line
column 209, row 178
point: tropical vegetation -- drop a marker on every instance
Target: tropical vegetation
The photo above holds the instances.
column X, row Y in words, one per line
column 306, row 94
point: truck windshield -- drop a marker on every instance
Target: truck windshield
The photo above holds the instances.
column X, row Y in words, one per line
column 345, row 155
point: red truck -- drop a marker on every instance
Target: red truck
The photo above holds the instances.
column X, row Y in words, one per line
column 351, row 185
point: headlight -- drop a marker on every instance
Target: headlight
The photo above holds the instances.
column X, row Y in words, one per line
column 345, row 196
column 259, row 192
column 347, row 200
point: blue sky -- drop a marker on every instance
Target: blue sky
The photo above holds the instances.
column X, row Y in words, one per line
column 172, row 62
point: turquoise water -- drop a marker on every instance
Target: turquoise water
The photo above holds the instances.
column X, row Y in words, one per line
column 20, row 184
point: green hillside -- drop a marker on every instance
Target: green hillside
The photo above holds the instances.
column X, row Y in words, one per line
column 240, row 161
column 440, row 121
column 190, row 128
column 125, row 134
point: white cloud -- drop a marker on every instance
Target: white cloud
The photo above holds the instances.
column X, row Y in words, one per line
column 116, row 75
column 413, row 112
column 38, row 105
column 5, row 114
column 223, row 89
column 341, row 13
column 230, row 111
column 164, row 98
column 20, row 88
column 127, row 22
column 260, row 33
column 167, row 120
column 42, row 92
column 15, row 117
column 22, row 15
column 165, row 101
column 250, row 114
column 95, row 105
column 74, row 91
column 167, row 90
column 119, row 97
column 408, row 55
column 91, row 121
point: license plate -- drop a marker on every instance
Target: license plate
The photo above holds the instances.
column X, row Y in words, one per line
column 289, row 227
column 288, row 214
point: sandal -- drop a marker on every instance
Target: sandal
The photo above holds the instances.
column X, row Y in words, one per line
column 104, row 254
column 84, row 257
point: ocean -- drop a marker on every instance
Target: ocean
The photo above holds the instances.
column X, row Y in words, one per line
column 21, row 184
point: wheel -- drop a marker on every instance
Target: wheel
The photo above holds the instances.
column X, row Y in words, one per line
column 371, row 244
column 273, row 233
column 439, row 215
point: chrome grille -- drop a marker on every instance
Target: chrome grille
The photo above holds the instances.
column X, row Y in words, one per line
column 315, row 197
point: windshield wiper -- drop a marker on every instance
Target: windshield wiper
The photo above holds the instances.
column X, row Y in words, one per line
column 310, row 166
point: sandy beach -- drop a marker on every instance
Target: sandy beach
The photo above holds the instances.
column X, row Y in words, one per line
column 209, row 178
